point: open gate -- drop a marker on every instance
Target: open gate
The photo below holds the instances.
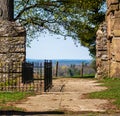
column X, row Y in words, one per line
column 26, row 76
column 38, row 73
column 47, row 75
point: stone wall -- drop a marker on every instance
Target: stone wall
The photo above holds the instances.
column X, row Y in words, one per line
column 12, row 48
column 112, row 54
column 101, row 51
column 12, row 39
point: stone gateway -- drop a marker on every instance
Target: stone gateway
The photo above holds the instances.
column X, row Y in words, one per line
column 108, row 42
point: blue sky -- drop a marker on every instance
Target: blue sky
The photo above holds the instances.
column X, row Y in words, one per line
column 49, row 47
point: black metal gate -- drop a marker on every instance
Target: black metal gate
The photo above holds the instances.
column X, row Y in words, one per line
column 32, row 76
column 27, row 72
column 26, row 76
column 38, row 73
column 47, row 75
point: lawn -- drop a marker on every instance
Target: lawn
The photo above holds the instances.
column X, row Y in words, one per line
column 7, row 99
column 112, row 93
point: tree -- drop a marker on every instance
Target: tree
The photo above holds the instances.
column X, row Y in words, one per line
column 78, row 19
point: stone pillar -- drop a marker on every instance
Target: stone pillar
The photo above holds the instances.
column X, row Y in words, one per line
column 12, row 44
column 113, row 36
column 101, row 52
column 12, row 49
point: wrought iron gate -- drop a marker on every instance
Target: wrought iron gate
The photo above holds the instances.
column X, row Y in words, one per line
column 26, row 76
column 47, row 75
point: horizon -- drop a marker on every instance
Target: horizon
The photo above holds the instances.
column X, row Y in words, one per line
column 55, row 59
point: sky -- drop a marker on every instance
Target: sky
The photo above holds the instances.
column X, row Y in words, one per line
column 49, row 47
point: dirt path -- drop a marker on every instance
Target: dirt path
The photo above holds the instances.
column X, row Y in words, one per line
column 67, row 95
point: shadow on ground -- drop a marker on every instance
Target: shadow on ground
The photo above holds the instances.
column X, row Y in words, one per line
column 29, row 113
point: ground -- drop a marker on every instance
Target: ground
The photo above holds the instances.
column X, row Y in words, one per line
column 67, row 95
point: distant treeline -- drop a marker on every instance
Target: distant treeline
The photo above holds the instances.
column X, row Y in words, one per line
column 83, row 69
column 70, row 68
column 63, row 61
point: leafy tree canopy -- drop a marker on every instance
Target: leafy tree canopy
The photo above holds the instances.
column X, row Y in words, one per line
column 78, row 19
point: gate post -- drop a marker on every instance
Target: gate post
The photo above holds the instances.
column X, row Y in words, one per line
column 47, row 75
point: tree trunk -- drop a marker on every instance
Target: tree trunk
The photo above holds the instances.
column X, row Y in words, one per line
column 7, row 9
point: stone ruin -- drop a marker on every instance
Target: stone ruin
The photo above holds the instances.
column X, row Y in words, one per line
column 12, row 39
column 13, row 42
column 108, row 42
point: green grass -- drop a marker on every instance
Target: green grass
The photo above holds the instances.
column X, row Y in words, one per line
column 10, row 108
column 7, row 99
column 84, row 76
column 112, row 93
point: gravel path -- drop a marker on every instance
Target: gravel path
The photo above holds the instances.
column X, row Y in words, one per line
column 67, row 94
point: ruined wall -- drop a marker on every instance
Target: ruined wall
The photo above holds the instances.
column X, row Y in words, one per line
column 101, row 51
column 113, row 35
column 113, row 42
column 12, row 49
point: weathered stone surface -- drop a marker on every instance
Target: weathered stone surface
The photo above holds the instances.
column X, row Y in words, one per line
column 115, row 72
column 114, row 7
column 109, row 58
column 116, row 24
column 116, row 48
column 112, row 2
column 116, row 33
column 117, row 14
column 12, row 49
column 101, row 51
column 104, row 57
column 11, row 29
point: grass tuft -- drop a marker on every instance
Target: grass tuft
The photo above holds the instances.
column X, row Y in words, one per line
column 7, row 99
column 112, row 93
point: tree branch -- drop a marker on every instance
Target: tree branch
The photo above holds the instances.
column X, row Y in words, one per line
column 35, row 6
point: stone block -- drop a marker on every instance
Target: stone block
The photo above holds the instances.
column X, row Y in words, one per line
column 11, row 29
column 98, row 54
column 109, row 2
column 116, row 24
column 12, row 44
column 117, row 14
column 113, row 7
column 115, row 69
column 13, row 49
column 104, row 58
column 114, row 1
column 116, row 33
column 99, row 48
column 116, row 48
column 112, row 69
column 105, row 48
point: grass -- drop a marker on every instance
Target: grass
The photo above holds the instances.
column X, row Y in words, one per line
column 84, row 76
column 112, row 93
column 7, row 99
